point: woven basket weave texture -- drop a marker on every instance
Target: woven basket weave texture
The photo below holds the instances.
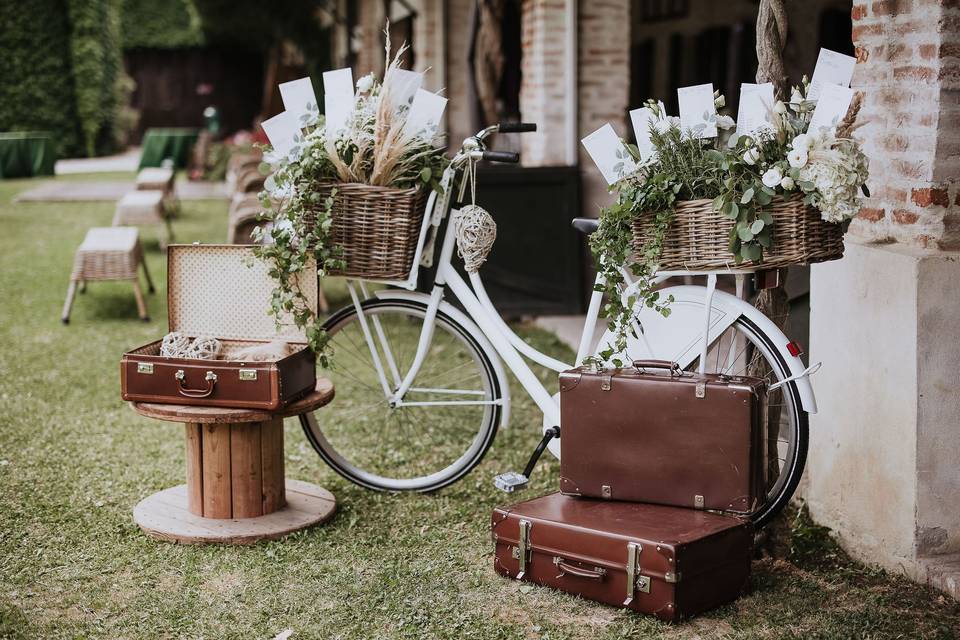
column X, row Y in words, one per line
column 377, row 228
column 699, row 237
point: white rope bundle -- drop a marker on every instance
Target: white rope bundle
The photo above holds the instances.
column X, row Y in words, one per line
column 177, row 345
column 474, row 228
column 174, row 345
column 204, row 348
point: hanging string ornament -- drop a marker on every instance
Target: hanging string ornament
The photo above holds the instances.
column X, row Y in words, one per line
column 474, row 227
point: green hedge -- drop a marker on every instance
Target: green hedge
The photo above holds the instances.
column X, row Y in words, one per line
column 63, row 71
column 36, row 83
column 166, row 24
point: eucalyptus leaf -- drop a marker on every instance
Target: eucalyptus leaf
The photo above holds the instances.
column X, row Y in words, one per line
column 757, row 226
column 747, row 196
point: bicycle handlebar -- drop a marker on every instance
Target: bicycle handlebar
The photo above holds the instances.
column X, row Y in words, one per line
column 516, row 127
column 501, row 156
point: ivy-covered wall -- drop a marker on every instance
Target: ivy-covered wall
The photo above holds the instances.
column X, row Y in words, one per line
column 62, row 71
column 36, row 80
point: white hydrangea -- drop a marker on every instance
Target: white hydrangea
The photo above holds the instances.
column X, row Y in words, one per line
column 726, row 122
column 836, row 170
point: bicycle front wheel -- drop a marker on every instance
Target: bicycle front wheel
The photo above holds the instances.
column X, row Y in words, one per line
column 439, row 431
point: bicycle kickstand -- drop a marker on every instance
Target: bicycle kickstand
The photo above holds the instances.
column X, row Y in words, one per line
column 511, row 481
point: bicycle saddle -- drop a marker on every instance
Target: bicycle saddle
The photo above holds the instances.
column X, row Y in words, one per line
column 585, row 225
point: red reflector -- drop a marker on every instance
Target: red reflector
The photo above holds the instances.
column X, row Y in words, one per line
column 795, row 349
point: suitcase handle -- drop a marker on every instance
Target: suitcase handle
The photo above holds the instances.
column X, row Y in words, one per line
column 674, row 368
column 597, row 573
column 211, row 379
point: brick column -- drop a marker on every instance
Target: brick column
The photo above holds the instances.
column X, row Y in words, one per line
column 909, row 70
column 885, row 320
column 542, row 92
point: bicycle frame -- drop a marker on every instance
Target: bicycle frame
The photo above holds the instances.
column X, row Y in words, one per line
column 510, row 347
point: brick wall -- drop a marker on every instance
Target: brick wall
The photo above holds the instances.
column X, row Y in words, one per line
column 460, row 121
column 909, row 70
column 604, row 84
column 543, row 89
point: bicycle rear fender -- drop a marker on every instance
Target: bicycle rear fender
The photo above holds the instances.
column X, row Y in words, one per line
column 468, row 324
column 680, row 336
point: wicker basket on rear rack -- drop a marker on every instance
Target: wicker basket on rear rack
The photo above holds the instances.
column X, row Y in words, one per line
column 699, row 237
column 377, row 228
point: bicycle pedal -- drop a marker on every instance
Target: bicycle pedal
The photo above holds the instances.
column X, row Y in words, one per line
column 510, row 481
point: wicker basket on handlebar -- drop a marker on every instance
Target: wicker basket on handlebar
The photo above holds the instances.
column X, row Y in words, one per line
column 699, row 237
column 377, row 228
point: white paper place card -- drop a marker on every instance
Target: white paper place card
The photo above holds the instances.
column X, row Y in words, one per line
column 425, row 113
column 404, row 86
column 697, row 110
column 831, row 107
column 298, row 97
column 282, row 129
column 642, row 119
column 337, row 109
column 832, row 68
column 609, row 154
column 338, row 82
column 756, row 108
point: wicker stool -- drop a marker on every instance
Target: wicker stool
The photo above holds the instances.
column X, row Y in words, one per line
column 143, row 207
column 108, row 253
column 160, row 179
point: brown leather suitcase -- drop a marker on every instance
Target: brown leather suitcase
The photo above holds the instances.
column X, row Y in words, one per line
column 667, row 561
column 224, row 292
column 671, row 437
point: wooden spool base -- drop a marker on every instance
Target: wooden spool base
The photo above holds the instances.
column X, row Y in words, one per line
column 165, row 516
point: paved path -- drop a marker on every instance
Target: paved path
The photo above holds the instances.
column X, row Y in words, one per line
column 112, row 190
column 126, row 161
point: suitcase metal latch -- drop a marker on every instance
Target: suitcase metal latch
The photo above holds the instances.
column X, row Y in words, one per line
column 248, row 374
column 145, row 367
column 635, row 581
column 605, row 383
column 522, row 551
column 701, row 390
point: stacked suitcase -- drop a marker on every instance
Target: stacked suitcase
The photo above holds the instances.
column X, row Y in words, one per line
column 660, row 470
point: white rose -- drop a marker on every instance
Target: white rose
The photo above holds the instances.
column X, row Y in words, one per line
column 778, row 107
column 802, row 141
column 787, row 183
column 772, row 177
column 726, row 122
column 365, row 83
column 797, row 158
column 751, row 156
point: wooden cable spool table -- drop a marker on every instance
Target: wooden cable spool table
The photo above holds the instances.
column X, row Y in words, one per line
column 236, row 491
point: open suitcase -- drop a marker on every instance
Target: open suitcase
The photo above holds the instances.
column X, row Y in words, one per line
column 671, row 437
column 667, row 561
column 222, row 291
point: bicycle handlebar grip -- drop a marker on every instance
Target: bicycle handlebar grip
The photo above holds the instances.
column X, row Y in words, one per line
column 516, row 127
column 501, row 156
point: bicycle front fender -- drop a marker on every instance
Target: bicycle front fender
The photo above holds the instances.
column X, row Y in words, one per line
column 474, row 331
column 680, row 336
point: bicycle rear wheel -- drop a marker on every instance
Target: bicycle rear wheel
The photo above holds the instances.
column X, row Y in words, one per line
column 443, row 427
column 743, row 349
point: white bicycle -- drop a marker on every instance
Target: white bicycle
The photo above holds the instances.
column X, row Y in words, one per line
column 422, row 388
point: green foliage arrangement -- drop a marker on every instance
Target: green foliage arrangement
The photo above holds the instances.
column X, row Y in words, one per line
column 741, row 175
column 375, row 148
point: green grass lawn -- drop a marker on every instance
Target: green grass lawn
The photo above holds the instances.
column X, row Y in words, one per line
column 74, row 460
